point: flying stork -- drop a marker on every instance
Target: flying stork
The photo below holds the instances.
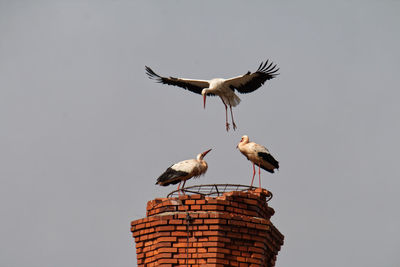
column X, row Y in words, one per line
column 259, row 155
column 184, row 170
column 224, row 88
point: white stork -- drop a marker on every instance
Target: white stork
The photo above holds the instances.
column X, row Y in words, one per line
column 259, row 155
column 184, row 170
column 224, row 88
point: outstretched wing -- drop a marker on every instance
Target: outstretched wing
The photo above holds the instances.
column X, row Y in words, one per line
column 252, row 81
column 195, row 86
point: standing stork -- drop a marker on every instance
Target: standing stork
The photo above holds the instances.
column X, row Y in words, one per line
column 224, row 88
column 184, row 170
column 259, row 155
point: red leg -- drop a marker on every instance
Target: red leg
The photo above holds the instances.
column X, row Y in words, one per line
column 233, row 121
column 254, row 173
column 226, row 115
column 179, row 192
column 226, row 118
column 259, row 175
column 183, row 186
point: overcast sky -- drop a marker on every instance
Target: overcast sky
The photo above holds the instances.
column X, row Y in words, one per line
column 84, row 133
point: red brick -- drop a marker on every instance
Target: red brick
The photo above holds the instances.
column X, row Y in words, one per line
column 201, row 202
column 165, row 228
column 158, row 234
column 212, row 207
column 163, row 262
column 161, row 245
column 182, row 208
column 234, row 235
column 212, row 233
column 181, row 227
column 204, row 215
column 198, row 233
column 203, row 227
column 236, row 222
column 217, row 201
column 175, row 221
column 256, row 249
column 251, row 202
column 179, row 233
column 235, row 252
column 224, row 239
column 262, row 227
column 197, row 221
column 163, row 256
column 180, row 245
column 214, row 221
column 220, row 227
column 257, row 255
column 219, row 250
column 241, row 259
column 167, row 239
column 211, row 244
column 159, row 222
column 212, row 255
column 217, row 260
column 196, row 196
column 167, row 249
column 182, row 197
column 191, row 261
column 233, row 229
column 213, row 238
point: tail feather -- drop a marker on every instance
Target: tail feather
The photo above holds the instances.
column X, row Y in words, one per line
column 268, row 160
column 232, row 100
column 236, row 101
column 267, row 169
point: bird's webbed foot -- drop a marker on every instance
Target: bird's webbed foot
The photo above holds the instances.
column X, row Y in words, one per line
column 227, row 127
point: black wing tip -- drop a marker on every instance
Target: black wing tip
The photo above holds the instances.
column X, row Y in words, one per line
column 152, row 74
column 268, row 69
column 269, row 158
column 270, row 170
column 170, row 176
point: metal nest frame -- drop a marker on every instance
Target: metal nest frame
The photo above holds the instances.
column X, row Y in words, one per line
column 214, row 189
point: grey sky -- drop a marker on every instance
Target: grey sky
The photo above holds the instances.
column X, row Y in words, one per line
column 84, row 133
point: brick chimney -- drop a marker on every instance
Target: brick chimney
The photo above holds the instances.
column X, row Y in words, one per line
column 233, row 229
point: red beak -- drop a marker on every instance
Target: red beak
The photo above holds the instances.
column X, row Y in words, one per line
column 204, row 100
column 205, row 152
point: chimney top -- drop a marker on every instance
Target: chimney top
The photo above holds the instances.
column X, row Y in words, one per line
column 230, row 229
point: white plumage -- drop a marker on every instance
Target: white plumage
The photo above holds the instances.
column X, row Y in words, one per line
column 184, row 170
column 259, row 155
column 224, row 88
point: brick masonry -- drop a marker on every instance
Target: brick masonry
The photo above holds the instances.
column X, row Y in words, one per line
column 233, row 229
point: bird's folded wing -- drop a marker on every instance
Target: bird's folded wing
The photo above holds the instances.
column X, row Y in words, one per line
column 269, row 158
column 259, row 148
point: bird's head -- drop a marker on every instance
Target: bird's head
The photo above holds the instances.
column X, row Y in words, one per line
column 244, row 140
column 202, row 155
column 204, row 94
